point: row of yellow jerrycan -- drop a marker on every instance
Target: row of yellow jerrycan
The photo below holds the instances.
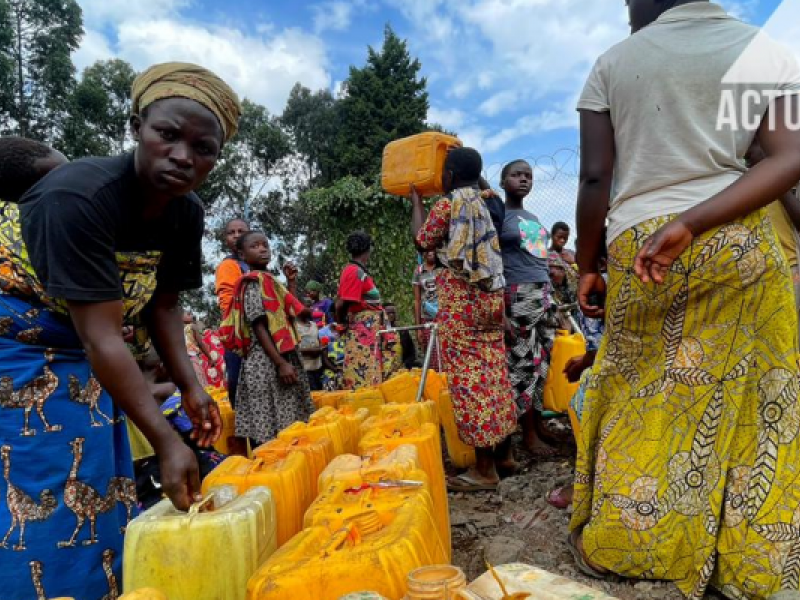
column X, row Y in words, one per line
column 288, row 468
column 402, row 389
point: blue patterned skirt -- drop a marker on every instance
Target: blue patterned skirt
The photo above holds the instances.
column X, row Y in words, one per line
column 67, row 491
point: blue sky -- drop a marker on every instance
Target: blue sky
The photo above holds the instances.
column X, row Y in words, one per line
column 504, row 74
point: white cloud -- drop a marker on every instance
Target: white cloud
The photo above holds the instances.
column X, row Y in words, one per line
column 449, row 118
column 334, row 16
column 263, row 66
column 499, row 103
column 94, row 47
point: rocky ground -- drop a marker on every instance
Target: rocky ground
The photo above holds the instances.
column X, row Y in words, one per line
column 515, row 524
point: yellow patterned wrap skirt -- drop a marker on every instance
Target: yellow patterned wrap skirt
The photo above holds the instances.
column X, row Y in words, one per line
column 689, row 456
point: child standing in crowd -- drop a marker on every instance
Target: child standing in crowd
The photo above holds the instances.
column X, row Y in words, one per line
column 310, row 350
column 228, row 273
column 530, row 313
column 406, row 356
column 273, row 388
column 199, row 352
column 426, row 300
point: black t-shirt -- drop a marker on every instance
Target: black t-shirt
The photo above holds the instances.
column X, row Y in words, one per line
column 76, row 220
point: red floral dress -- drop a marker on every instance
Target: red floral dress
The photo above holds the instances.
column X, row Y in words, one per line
column 473, row 352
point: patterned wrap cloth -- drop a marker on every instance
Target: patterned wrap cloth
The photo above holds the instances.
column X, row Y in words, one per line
column 281, row 307
column 68, row 484
column 690, row 430
column 471, row 330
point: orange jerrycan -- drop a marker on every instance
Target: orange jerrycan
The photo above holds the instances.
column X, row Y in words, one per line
column 382, row 464
column 178, row 553
column 424, row 412
column 461, row 454
column 418, row 160
column 341, row 501
column 318, row 453
column 288, row 478
column 401, row 389
column 228, row 417
column 435, row 384
column 557, row 390
column 370, row 398
column 343, row 423
column 332, row 399
column 328, row 425
column 376, row 549
column 427, row 441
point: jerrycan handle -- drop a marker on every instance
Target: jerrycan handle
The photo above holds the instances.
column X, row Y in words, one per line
column 348, row 532
column 195, row 508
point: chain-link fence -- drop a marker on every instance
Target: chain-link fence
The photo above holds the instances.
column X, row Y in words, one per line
column 555, row 186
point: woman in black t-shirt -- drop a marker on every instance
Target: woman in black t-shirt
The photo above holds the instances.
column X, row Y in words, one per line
column 92, row 246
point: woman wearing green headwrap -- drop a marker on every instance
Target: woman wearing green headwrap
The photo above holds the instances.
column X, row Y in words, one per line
column 94, row 245
column 314, row 291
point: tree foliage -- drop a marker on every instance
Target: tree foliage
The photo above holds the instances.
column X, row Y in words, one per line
column 37, row 38
column 99, row 109
column 384, row 101
column 349, row 205
column 312, row 120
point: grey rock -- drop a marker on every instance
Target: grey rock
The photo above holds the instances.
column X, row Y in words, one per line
column 786, row 595
column 501, row 550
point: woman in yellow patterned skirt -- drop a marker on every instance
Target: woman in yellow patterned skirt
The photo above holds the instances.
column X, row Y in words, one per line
column 689, row 448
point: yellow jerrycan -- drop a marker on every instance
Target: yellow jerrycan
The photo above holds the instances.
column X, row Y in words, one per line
column 557, row 390
column 288, row 478
column 179, row 553
column 428, row 443
column 332, row 399
column 228, row 417
column 461, row 454
column 370, row 398
column 318, row 453
column 377, row 548
column 382, row 464
column 418, row 160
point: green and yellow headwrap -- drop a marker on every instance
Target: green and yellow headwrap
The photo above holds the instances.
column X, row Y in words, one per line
column 185, row 80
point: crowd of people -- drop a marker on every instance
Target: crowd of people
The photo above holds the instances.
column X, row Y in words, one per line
column 684, row 285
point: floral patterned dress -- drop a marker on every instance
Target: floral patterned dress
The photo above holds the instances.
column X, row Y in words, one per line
column 472, row 350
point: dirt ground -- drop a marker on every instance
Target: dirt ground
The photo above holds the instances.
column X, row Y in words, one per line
column 517, row 525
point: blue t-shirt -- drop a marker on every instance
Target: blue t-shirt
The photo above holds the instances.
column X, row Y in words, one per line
column 524, row 242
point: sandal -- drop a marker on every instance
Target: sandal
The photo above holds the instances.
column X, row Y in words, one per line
column 557, row 498
column 583, row 565
column 466, row 483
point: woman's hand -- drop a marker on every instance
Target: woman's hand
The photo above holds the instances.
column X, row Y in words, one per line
column 591, row 283
column 180, row 475
column 415, row 197
column 575, row 368
column 661, row 249
column 290, row 271
column 204, row 414
column 287, row 373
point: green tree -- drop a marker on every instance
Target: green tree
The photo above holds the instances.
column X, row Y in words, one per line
column 312, row 120
column 37, row 38
column 383, row 101
column 247, row 163
column 348, row 205
column 100, row 107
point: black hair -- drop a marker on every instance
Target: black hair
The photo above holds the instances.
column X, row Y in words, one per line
column 233, row 220
column 18, row 171
column 559, row 226
column 245, row 236
column 358, row 243
column 465, row 163
column 507, row 168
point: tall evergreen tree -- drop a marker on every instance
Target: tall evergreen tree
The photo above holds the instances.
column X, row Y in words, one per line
column 99, row 110
column 36, row 70
column 383, row 101
column 311, row 118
